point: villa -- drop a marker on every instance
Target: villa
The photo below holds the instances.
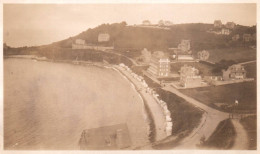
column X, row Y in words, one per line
column 189, row 77
column 234, row 72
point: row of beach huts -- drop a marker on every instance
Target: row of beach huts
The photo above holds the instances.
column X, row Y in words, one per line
column 168, row 120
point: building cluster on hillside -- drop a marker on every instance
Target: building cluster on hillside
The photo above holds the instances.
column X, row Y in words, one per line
column 102, row 37
column 245, row 37
column 228, row 25
column 189, row 77
column 222, row 29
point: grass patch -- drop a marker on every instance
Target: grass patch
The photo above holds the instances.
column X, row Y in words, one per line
column 223, row 137
column 238, row 54
column 139, row 69
column 245, row 93
column 249, row 124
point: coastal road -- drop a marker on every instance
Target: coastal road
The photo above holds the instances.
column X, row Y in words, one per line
column 207, row 126
column 248, row 62
column 114, row 52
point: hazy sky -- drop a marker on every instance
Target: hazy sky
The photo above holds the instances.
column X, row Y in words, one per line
column 38, row 24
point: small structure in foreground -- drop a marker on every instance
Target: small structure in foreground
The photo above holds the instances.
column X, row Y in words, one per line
column 105, row 138
column 159, row 64
column 189, row 77
column 234, row 72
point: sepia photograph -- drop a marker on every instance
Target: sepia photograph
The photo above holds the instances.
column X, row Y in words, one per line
column 129, row 76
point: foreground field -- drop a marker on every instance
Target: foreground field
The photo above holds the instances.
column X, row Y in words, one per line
column 48, row 105
column 222, row 138
column 245, row 93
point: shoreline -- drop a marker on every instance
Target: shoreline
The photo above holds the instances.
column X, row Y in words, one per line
column 147, row 112
column 148, row 120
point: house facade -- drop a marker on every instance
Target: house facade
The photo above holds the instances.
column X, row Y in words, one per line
column 225, row 31
column 159, row 64
column 235, row 37
column 189, row 77
column 103, row 37
column 230, row 25
column 217, row 24
column 234, row 72
column 247, row 37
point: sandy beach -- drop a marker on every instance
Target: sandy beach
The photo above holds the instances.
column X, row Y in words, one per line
column 48, row 105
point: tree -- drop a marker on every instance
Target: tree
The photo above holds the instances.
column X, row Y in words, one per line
column 203, row 55
column 146, row 22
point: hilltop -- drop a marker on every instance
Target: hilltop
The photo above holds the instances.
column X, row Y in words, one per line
column 135, row 38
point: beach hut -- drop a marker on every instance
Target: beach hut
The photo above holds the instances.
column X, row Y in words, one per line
column 168, row 118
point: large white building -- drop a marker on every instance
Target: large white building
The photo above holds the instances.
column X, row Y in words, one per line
column 159, row 64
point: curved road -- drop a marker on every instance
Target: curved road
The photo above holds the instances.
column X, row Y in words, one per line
column 208, row 124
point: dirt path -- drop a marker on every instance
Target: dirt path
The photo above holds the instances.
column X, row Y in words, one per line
column 208, row 123
column 241, row 141
column 248, row 62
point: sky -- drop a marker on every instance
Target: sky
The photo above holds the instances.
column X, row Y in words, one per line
column 39, row 24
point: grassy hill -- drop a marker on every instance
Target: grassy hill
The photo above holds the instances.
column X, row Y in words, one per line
column 134, row 37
